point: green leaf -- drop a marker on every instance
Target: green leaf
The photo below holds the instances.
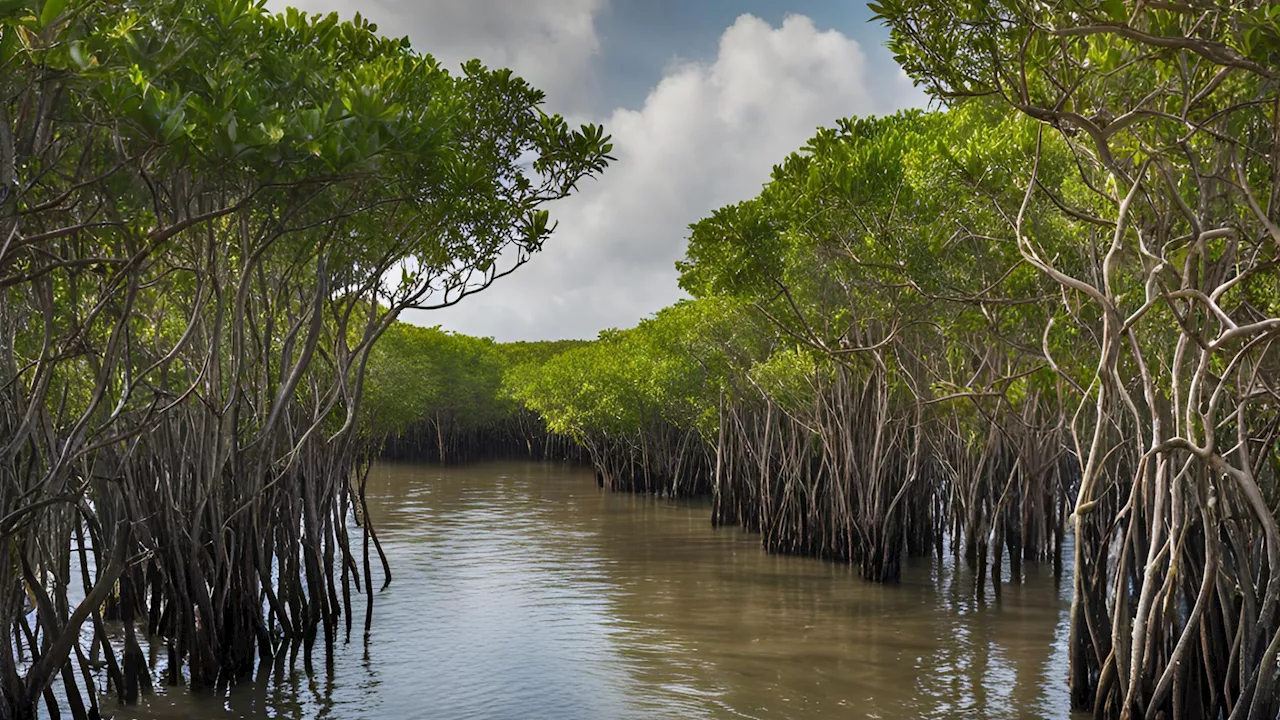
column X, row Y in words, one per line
column 173, row 126
column 1115, row 10
column 8, row 42
column 52, row 10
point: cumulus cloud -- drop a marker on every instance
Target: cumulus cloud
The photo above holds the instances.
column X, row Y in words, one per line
column 707, row 135
column 550, row 43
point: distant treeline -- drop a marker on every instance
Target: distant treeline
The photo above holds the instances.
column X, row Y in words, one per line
column 437, row 396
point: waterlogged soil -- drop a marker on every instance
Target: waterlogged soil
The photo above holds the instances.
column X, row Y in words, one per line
column 522, row 591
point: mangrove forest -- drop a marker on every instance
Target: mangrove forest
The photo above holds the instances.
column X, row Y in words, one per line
column 1032, row 326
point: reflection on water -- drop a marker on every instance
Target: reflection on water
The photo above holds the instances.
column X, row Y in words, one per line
column 523, row 591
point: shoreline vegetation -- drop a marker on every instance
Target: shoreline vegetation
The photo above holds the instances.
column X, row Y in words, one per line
column 209, row 213
column 1048, row 308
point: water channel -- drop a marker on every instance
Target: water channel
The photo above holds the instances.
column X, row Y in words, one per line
column 522, row 591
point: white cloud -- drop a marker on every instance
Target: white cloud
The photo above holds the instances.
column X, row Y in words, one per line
column 550, row 43
column 707, row 135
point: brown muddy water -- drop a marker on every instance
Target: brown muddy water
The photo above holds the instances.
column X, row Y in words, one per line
column 522, row 591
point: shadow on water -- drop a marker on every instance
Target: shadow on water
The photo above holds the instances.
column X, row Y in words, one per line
column 522, row 591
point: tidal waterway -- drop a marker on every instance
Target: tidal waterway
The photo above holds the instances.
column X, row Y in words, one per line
column 521, row 590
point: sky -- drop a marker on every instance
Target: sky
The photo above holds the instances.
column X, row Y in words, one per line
column 702, row 99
